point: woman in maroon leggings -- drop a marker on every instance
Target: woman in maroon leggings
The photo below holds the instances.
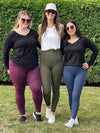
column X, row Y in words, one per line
column 23, row 65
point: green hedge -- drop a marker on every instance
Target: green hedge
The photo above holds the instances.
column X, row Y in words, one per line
column 85, row 12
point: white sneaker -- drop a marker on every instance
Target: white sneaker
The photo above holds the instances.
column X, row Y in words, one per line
column 70, row 123
column 51, row 118
column 47, row 113
column 76, row 121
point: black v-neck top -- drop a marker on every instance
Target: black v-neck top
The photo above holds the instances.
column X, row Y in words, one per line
column 75, row 52
column 24, row 49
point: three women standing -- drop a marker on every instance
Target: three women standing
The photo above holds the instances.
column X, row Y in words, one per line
column 23, row 66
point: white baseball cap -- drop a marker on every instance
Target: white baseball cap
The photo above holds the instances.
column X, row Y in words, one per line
column 51, row 6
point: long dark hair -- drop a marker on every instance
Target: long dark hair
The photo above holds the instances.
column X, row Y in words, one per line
column 44, row 25
column 66, row 35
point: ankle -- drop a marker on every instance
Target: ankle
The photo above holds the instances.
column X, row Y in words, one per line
column 23, row 115
column 49, row 107
column 38, row 113
column 52, row 113
column 72, row 119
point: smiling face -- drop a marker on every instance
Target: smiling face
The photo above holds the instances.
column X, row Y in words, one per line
column 50, row 14
column 71, row 29
column 24, row 21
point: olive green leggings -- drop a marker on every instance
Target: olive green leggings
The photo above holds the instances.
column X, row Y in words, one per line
column 51, row 69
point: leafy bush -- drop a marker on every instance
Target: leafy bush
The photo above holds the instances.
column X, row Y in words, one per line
column 86, row 13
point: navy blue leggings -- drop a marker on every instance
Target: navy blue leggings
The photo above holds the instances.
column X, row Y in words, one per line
column 74, row 78
column 20, row 76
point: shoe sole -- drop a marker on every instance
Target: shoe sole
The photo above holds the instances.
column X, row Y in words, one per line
column 34, row 116
column 51, row 122
column 76, row 123
column 68, row 126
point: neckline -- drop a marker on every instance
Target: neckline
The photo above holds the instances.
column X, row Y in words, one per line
column 74, row 42
column 21, row 34
column 51, row 27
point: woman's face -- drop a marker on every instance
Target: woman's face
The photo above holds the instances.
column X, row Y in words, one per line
column 71, row 29
column 50, row 14
column 24, row 21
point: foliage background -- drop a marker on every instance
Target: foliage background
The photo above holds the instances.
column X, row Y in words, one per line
column 85, row 12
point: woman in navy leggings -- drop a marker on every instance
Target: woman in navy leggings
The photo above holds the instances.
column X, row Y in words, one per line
column 23, row 66
column 75, row 67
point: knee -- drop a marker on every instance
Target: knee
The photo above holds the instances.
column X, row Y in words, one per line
column 75, row 97
column 46, row 92
column 19, row 90
column 36, row 88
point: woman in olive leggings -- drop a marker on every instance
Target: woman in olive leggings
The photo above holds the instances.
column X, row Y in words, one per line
column 51, row 61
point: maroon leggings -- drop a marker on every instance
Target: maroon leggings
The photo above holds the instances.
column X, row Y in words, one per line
column 20, row 76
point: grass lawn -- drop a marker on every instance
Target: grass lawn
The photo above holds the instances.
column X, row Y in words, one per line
column 88, row 114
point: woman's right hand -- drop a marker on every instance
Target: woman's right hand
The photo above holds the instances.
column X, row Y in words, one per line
column 85, row 65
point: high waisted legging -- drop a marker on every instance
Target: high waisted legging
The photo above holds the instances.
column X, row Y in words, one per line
column 51, row 69
column 20, row 76
column 74, row 78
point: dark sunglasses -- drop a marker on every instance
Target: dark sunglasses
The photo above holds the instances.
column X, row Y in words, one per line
column 52, row 11
column 71, row 27
column 27, row 20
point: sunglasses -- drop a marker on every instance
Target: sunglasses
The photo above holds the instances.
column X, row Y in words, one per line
column 27, row 20
column 52, row 11
column 71, row 27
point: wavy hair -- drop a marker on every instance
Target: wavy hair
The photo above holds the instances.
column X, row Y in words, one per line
column 19, row 15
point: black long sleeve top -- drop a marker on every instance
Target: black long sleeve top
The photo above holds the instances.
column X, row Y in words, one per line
column 24, row 49
column 75, row 53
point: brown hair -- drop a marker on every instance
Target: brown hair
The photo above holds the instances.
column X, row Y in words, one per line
column 19, row 15
column 44, row 25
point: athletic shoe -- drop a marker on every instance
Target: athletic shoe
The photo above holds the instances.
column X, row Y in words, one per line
column 70, row 123
column 37, row 117
column 47, row 113
column 76, row 121
column 22, row 119
column 51, row 119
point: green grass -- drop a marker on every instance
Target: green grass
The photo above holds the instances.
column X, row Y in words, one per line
column 88, row 114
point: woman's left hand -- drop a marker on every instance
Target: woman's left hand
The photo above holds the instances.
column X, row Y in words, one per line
column 85, row 65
